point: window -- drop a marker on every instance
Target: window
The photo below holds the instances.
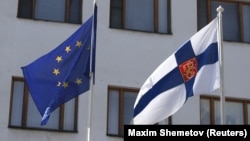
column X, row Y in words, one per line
column 141, row 15
column 237, row 111
column 23, row 112
column 68, row 11
column 235, row 18
column 120, row 109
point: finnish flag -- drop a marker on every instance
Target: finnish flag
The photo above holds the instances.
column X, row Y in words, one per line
column 193, row 69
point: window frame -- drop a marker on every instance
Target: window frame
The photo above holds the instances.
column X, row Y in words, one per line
column 212, row 99
column 156, row 17
column 66, row 14
column 24, row 112
column 121, row 93
column 239, row 3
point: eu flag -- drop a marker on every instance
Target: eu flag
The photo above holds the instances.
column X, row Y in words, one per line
column 64, row 73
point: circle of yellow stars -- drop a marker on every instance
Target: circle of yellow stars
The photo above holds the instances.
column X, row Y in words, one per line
column 56, row 71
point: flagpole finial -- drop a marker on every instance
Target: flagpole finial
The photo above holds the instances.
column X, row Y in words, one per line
column 220, row 9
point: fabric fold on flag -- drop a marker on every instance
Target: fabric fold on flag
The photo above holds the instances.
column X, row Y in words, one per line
column 63, row 73
column 193, row 69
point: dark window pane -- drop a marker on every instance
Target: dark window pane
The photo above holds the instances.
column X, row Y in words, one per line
column 116, row 14
column 17, row 103
column 53, row 10
column 139, row 15
column 75, row 10
column 163, row 14
column 231, row 31
column 129, row 100
column 24, row 114
column 202, row 13
column 246, row 23
column 25, row 9
column 113, row 112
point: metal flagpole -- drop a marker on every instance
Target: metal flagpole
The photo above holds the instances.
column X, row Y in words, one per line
column 90, row 107
column 220, row 37
column 91, row 77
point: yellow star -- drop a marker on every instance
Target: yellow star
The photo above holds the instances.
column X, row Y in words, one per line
column 79, row 43
column 59, row 59
column 67, row 49
column 56, row 71
column 78, row 81
column 65, row 84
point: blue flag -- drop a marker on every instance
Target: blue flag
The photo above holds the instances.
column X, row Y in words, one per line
column 193, row 69
column 64, row 73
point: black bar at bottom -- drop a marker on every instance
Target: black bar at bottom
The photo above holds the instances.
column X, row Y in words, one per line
column 204, row 132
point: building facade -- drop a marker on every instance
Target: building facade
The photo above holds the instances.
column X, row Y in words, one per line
column 133, row 38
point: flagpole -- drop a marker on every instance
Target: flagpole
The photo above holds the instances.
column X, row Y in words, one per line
column 90, row 108
column 220, row 37
column 91, row 79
